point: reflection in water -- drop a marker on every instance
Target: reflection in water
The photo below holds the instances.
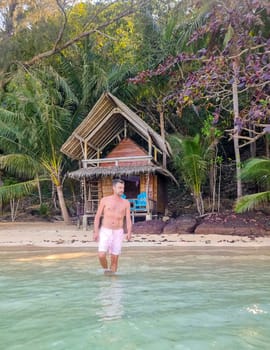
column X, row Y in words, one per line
column 61, row 256
column 110, row 300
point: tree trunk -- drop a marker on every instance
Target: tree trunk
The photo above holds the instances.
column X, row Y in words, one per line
column 54, row 199
column 238, row 164
column 39, row 191
column 236, row 131
column 199, row 203
column 213, row 180
column 219, row 188
column 14, row 208
column 162, row 133
column 63, row 206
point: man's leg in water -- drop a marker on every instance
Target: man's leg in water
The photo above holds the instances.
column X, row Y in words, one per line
column 105, row 237
column 103, row 260
column 114, row 262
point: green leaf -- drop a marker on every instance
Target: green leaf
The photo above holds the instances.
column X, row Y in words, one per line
column 17, row 190
column 252, row 201
column 258, row 170
column 20, row 165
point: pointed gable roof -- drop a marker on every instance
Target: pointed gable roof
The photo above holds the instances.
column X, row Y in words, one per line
column 106, row 121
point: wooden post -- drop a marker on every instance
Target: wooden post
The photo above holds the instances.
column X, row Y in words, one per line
column 84, row 195
column 85, row 154
column 148, row 215
column 125, row 129
column 149, row 145
column 84, row 219
column 98, row 156
column 155, row 154
column 166, row 208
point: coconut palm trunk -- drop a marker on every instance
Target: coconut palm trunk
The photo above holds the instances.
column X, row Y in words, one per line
column 62, row 204
column 54, row 167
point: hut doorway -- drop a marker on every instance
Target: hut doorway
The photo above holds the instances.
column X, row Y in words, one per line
column 132, row 186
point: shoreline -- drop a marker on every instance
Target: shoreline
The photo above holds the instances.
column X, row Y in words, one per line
column 57, row 234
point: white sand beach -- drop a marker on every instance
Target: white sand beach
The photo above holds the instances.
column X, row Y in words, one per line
column 57, row 234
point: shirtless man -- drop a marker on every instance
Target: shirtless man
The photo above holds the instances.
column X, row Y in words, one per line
column 111, row 233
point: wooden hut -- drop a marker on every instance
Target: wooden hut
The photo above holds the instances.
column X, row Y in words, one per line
column 113, row 141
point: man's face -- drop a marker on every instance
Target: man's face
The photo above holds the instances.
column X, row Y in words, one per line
column 118, row 189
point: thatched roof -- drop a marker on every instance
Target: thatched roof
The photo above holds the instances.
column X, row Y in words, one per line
column 105, row 122
column 97, row 172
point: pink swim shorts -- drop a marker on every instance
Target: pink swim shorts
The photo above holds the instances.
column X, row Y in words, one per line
column 110, row 240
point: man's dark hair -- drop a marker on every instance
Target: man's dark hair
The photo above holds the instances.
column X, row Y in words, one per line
column 116, row 181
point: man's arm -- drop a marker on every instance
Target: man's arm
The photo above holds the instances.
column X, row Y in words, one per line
column 97, row 219
column 128, row 221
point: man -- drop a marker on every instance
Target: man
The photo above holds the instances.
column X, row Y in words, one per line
column 111, row 233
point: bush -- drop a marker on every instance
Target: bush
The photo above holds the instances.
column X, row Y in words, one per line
column 43, row 210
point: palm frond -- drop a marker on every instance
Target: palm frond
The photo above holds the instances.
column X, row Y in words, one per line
column 189, row 160
column 70, row 72
column 53, row 167
column 176, row 142
column 62, row 84
column 20, row 165
column 18, row 190
column 252, row 201
column 8, row 138
column 257, row 169
column 9, row 116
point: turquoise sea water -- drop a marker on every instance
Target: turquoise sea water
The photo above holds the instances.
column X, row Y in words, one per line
column 161, row 299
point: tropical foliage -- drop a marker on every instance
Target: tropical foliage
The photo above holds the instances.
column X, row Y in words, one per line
column 231, row 69
column 36, row 122
column 174, row 62
column 190, row 160
column 258, row 171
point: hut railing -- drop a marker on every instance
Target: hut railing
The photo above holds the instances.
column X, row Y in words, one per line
column 115, row 161
column 91, row 206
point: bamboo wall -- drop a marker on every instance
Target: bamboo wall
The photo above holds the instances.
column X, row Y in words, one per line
column 106, row 186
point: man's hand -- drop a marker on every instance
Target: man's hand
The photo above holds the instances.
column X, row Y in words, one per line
column 128, row 237
column 95, row 236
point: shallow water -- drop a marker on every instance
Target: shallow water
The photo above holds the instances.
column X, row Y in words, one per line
column 160, row 299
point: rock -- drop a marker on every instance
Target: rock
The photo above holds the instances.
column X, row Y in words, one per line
column 148, row 227
column 232, row 224
column 181, row 225
column 206, row 228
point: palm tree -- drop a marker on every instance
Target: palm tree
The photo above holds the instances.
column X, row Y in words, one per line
column 35, row 123
column 190, row 160
column 258, row 170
